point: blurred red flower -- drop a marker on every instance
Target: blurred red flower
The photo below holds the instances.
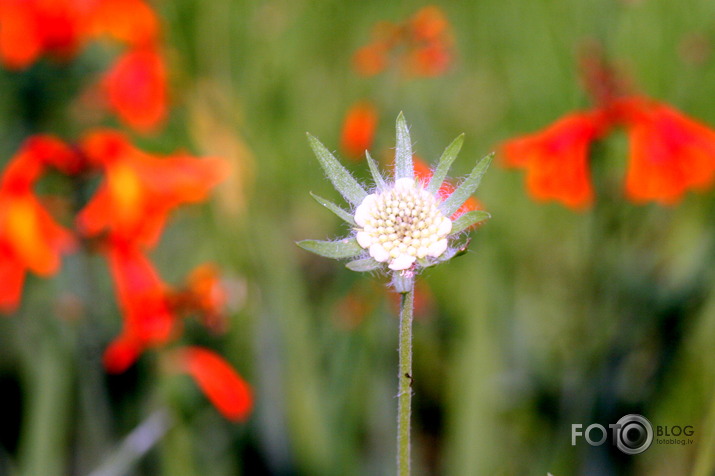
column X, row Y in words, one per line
column 30, row 28
column 60, row 28
column 420, row 46
column 371, row 59
column 30, row 239
column 359, row 128
column 556, row 159
column 205, row 295
column 669, row 152
column 139, row 189
column 132, row 22
column 226, row 390
column 148, row 320
column 135, row 87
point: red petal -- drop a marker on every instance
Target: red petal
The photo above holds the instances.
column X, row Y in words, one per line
column 371, row 59
column 228, row 392
column 136, row 89
column 556, row 158
column 130, row 21
column 359, row 128
column 12, row 275
column 669, row 153
column 140, row 190
column 121, row 354
column 20, row 37
column 141, row 294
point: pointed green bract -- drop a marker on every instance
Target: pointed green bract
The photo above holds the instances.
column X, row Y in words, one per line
column 346, row 248
column 343, row 181
column 466, row 188
column 468, row 219
column 445, row 162
column 403, row 152
column 345, row 216
column 363, row 265
column 375, row 171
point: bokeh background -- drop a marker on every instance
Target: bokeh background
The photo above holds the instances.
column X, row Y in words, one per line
column 553, row 317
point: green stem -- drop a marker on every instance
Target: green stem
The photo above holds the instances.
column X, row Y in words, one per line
column 404, row 396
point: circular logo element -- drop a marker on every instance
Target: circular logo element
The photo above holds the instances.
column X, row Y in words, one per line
column 634, row 434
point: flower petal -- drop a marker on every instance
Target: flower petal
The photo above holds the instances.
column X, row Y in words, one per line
column 556, row 159
column 221, row 384
column 359, row 128
column 402, row 262
column 669, row 153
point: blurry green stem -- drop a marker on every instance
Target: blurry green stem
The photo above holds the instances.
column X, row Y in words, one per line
column 47, row 417
column 404, row 396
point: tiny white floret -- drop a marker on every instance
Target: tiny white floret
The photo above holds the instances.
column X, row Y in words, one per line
column 379, row 253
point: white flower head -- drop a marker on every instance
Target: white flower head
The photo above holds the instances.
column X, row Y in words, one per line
column 401, row 224
column 405, row 224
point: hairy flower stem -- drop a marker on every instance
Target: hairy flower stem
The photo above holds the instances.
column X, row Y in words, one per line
column 404, row 396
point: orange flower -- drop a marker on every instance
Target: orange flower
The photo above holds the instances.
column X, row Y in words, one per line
column 429, row 60
column 135, row 87
column 29, row 28
column 204, row 294
column 432, row 53
column 226, row 390
column 141, row 293
column 669, row 153
column 424, row 174
column 359, row 128
column 556, row 159
column 60, row 28
column 30, row 239
column 419, row 46
column 131, row 22
column 46, row 150
column 371, row 59
column 139, row 189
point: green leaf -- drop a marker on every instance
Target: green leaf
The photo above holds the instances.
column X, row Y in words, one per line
column 363, row 265
column 375, row 171
column 334, row 208
column 343, row 181
column 445, row 162
column 403, row 152
column 466, row 188
column 346, row 248
column 468, row 219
